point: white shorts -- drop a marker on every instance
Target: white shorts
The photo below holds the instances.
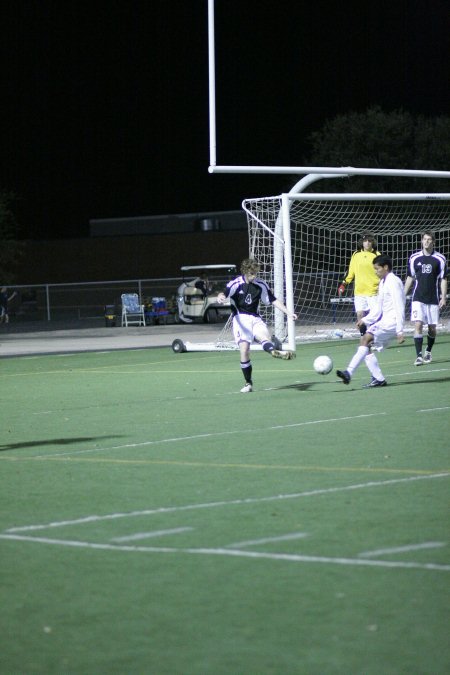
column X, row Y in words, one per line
column 364, row 303
column 247, row 327
column 382, row 334
column 428, row 314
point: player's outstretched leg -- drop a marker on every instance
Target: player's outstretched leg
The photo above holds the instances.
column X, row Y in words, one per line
column 269, row 347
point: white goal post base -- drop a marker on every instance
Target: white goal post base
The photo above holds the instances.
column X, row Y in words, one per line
column 179, row 346
column 332, row 334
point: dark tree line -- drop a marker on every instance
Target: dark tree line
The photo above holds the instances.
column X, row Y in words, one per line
column 370, row 139
column 10, row 248
column 389, row 140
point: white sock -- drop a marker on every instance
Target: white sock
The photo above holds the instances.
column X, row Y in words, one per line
column 361, row 353
column 374, row 367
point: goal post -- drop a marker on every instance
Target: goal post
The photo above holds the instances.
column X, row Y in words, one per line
column 304, row 242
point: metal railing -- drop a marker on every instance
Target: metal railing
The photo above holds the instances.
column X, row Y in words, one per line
column 85, row 300
column 89, row 300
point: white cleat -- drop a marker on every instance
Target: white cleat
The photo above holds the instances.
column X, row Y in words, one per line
column 280, row 354
column 247, row 388
column 418, row 361
column 427, row 358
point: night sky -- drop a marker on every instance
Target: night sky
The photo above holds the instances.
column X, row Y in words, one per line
column 104, row 105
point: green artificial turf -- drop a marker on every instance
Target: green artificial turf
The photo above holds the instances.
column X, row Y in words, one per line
column 156, row 521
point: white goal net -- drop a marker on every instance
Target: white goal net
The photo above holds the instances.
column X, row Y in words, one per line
column 304, row 243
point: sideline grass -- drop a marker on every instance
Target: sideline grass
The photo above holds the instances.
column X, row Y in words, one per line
column 154, row 520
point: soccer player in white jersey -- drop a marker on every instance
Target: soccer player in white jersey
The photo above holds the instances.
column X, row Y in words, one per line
column 245, row 293
column 384, row 323
column 427, row 268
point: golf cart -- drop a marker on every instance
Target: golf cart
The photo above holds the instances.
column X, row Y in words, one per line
column 197, row 295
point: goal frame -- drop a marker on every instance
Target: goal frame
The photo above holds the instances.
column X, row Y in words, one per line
column 282, row 279
column 285, row 268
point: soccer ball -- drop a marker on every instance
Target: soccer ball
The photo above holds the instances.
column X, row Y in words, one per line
column 323, row 365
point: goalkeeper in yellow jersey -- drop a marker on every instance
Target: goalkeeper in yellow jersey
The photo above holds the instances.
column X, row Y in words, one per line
column 361, row 271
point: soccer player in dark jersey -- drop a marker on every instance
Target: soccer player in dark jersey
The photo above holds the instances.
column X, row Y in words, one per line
column 246, row 292
column 427, row 269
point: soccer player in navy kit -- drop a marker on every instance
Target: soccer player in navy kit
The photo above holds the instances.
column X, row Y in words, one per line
column 245, row 293
column 428, row 270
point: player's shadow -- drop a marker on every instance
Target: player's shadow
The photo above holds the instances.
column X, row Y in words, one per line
column 423, row 380
column 53, row 441
column 353, row 387
column 305, row 386
column 299, row 386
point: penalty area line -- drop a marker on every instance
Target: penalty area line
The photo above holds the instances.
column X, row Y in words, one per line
column 212, row 434
column 423, row 410
column 403, row 549
column 232, row 502
column 288, row 557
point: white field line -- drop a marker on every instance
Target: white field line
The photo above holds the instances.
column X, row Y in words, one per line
column 233, row 502
column 417, row 372
column 213, row 434
column 269, row 540
column 154, row 533
column 50, row 412
column 402, row 549
column 233, row 552
column 447, row 407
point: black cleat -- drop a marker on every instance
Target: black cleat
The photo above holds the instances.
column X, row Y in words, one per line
column 375, row 383
column 344, row 375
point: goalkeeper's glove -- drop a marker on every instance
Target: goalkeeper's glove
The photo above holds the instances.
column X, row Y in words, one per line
column 341, row 289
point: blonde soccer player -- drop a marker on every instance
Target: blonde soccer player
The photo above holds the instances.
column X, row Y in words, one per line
column 245, row 293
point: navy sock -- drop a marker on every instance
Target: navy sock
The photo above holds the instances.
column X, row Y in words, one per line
column 246, row 367
column 418, row 343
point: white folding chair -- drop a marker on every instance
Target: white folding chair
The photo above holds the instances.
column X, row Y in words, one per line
column 132, row 310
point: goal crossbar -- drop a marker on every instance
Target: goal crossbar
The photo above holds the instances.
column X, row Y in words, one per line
column 367, row 196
